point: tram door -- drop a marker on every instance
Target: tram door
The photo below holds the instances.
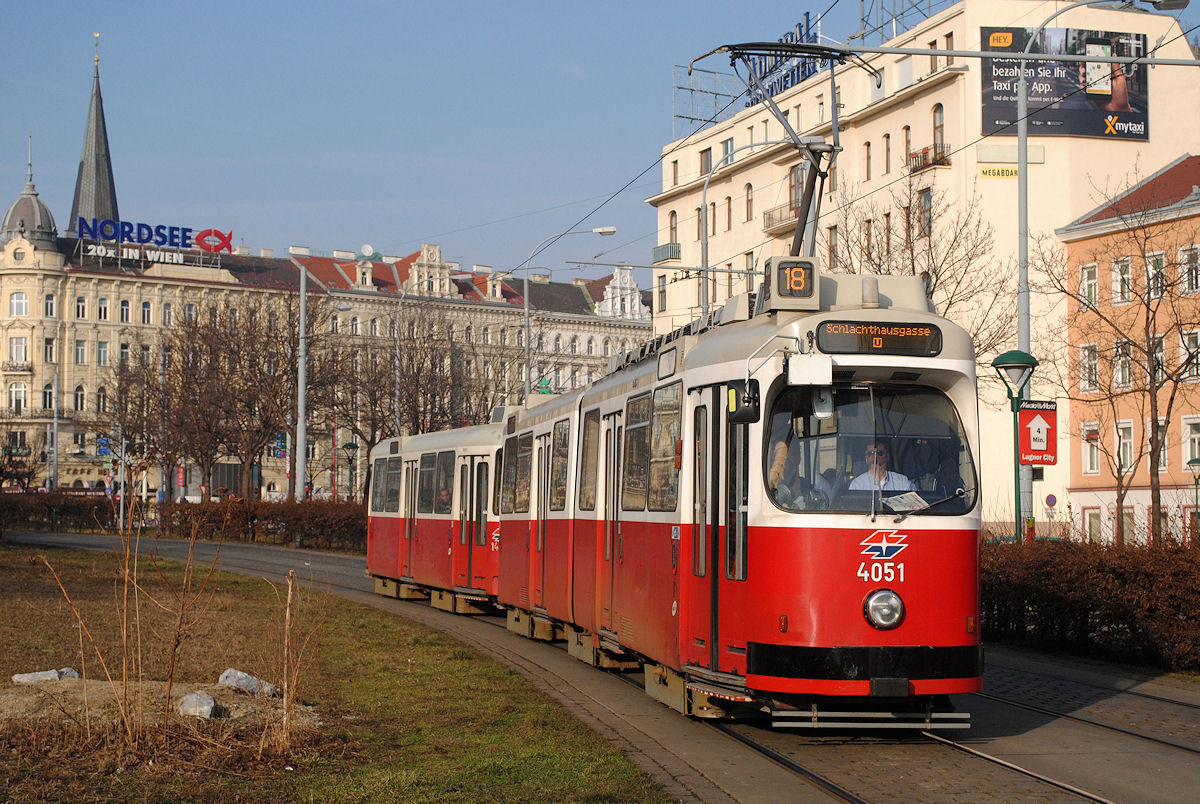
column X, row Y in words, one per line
column 472, row 524
column 541, row 508
column 719, row 477
column 611, row 547
column 410, row 517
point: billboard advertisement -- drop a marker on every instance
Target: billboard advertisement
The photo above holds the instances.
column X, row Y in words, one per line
column 1067, row 98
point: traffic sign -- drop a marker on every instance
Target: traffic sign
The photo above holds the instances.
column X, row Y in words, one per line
column 1037, row 432
column 1051, row 501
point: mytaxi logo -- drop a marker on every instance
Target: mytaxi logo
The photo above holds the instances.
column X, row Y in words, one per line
column 1110, row 124
column 1000, row 39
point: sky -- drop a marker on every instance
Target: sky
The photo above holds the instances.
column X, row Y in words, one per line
column 481, row 127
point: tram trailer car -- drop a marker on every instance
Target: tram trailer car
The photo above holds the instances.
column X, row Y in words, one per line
column 431, row 528
column 707, row 510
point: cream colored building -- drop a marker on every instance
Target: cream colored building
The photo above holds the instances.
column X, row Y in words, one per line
column 924, row 124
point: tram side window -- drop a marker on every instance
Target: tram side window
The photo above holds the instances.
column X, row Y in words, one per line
column 560, row 446
column 588, row 457
column 425, row 484
column 665, row 448
column 637, row 449
column 736, row 535
column 444, row 481
column 508, row 485
column 391, row 492
column 524, row 467
column 499, row 463
column 378, row 484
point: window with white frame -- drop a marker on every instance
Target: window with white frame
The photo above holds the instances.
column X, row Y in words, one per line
column 1124, row 447
column 1189, row 359
column 18, row 350
column 1122, row 281
column 17, row 400
column 80, row 352
column 80, row 307
column 1189, row 269
column 102, row 309
column 1191, row 439
column 147, row 315
column 1089, row 367
column 1087, row 286
column 1122, row 364
column 1091, row 448
column 167, row 315
column 124, row 311
column 1091, row 524
column 1156, row 276
column 18, row 304
column 102, row 353
column 726, row 151
column 50, row 309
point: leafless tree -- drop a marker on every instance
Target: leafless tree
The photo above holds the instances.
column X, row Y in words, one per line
column 18, row 459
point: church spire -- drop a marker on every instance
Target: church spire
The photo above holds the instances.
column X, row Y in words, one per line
column 95, row 191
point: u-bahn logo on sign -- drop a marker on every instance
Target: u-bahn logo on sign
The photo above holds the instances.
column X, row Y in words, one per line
column 884, row 544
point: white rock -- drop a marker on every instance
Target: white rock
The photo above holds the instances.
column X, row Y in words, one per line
column 247, row 683
column 45, row 675
column 198, row 704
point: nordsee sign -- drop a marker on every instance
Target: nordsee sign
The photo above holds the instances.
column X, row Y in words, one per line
column 210, row 240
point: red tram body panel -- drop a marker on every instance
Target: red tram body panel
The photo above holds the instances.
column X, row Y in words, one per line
column 771, row 511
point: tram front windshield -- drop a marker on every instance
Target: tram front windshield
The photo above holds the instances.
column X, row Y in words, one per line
column 868, row 449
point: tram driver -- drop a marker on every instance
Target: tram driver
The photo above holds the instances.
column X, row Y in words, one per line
column 878, row 477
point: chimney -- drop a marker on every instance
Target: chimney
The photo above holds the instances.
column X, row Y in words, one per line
column 300, row 251
column 343, row 255
column 242, row 251
column 266, row 252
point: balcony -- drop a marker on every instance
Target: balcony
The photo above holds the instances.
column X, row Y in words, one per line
column 667, row 251
column 780, row 216
column 931, row 156
column 17, row 366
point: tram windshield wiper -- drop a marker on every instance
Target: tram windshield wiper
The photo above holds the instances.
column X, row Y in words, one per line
column 958, row 494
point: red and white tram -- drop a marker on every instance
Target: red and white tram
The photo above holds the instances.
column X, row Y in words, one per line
column 431, row 525
column 773, row 510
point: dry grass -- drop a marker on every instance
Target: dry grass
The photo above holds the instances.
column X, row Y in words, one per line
column 402, row 713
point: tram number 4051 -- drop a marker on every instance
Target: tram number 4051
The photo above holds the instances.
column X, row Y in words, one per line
column 878, row 571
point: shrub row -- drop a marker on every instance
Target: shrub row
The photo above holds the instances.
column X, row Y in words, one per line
column 62, row 512
column 314, row 524
column 317, row 524
column 1135, row 603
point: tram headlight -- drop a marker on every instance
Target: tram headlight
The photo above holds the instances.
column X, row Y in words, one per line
column 884, row 609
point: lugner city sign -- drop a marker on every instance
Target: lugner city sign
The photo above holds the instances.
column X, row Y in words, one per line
column 210, row 240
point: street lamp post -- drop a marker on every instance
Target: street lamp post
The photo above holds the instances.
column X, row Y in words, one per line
column 301, row 447
column 1015, row 368
column 603, row 231
column 350, row 448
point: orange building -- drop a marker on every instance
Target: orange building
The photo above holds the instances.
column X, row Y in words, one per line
column 1132, row 283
